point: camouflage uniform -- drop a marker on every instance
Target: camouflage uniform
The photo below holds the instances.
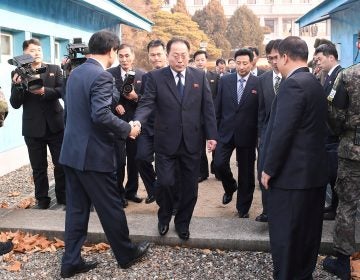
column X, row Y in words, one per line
column 344, row 117
column 3, row 108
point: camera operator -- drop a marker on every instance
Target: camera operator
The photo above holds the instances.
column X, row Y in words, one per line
column 43, row 123
column 125, row 110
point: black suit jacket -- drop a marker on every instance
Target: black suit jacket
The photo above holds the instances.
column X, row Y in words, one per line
column 238, row 120
column 266, row 97
column 328, row 84
column 176, row 118
column 91, row 128
column 129, row 105
column 213, row 79
column 40, row 111
column 294, row 146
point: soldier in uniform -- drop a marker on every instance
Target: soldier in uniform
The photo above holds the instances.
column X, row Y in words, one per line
column 344, row 119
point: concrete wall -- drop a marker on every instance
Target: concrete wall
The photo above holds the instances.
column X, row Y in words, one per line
column 345, row 26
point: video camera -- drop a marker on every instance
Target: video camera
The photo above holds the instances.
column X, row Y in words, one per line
column 28, row 75
column 128, row 84
column 74, row 49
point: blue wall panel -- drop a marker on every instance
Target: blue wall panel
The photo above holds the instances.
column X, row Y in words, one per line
column 345, row 25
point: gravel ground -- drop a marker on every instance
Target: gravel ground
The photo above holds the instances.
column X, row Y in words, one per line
column 162, row 262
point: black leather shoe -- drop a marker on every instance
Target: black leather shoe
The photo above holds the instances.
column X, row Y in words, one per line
column 150, row 199
column 139, row 253
column 227, row 198
column 243, row 216
column 124, row 201
column 70, row 271
column 338, row 266
column 61, row 201
column 6, row 247
column 163, row 229
column 329, row 216
column 328, row 209
column 202, row 178
column 263, row 218
column 183, row 234
column 134, row 198
column 43, row 204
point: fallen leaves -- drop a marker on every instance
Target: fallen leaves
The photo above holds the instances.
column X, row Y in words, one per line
column 13, row 194
column 25, row 244
column 4, row 204
column 26, row 203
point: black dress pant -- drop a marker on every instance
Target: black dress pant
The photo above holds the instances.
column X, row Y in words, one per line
column 144, row 158
column 295, row 227
column 167, row 167
column 132, row 184
column 204, row 164
column 37, row 149
column 84, row 188
column 245, row 157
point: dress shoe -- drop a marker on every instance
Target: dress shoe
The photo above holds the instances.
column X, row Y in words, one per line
column 183, row 234
column 6, row 247
column 61, row 201
column 243, row 216
column 134, row 198
column 339, row 266
column 150, row 199
column 227, row 198
column 163, row 228
column 263, row 218
column 329, row 216
column 139, row 253
column 328, row 209
column 124, row 201
column 70, row 271
column 43, row 204
column 202, row 178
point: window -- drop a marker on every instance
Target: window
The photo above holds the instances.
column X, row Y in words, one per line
column 304, row 1
column 6, row 47
column 287, row 1
column 251, row 1
column 198, row 2
column 57, row 52
column 287, row 26
column 233, row 2
column 269, row 1
column 270, row 23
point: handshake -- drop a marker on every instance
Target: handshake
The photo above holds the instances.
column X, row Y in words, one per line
column 135, row 129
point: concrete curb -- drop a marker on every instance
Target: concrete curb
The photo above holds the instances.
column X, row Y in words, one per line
column 214, row 233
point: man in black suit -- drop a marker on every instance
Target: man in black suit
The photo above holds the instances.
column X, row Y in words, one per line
column 125, row 109
column 236, row 108
column 255, row 70
column 327, row 59
column 295, row 165
column 88, row 156
column 269, row 83
column 145, row 141
column 231, row 65
column 181, row 99
column 43, row 123
column 221, row 67
column 200, row 58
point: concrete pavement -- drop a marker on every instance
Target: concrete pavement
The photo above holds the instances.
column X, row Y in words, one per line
column 220, row 233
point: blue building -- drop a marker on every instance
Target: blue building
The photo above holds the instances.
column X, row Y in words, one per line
column 345, row 26
column 55, row 23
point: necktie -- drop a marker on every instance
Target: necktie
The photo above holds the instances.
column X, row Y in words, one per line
column 179, row 85
column 240, row 90
column 277, row 85
column 326, row 83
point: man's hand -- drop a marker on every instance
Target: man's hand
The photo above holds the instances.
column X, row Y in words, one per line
column 211, row 145
column 131, row 96
column 120, row 109
column 265, row 180
column 16, row 79
column 135, row 129
column 40, row 91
